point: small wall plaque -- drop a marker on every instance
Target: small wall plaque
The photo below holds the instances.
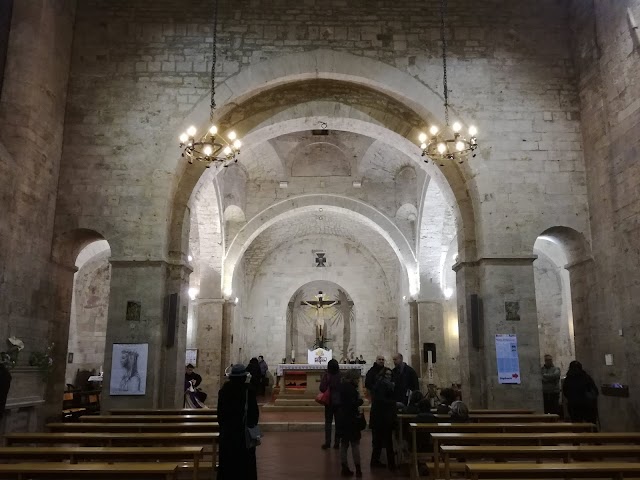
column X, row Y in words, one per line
column 512, row 311
column 133, row 311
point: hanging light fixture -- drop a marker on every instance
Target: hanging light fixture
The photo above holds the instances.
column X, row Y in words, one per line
column 211, row 147
column 448, row 143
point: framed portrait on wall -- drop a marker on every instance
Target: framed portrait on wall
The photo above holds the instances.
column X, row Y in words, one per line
column 192, row 357
column 129, row 369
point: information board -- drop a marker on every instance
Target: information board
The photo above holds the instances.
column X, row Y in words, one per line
column 507, row 358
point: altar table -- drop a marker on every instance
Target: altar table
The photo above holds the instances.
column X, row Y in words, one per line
column 304, row 379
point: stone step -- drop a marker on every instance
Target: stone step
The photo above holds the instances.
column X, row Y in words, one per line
column 302, row 402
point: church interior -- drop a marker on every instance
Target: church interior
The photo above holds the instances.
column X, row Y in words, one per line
column 208, row 181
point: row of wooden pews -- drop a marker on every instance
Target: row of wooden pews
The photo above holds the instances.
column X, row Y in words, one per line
column 141, row 443
column 517, row 449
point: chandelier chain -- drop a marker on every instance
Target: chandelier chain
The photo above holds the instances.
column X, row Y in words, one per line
column 443, row 37
column 214, row 58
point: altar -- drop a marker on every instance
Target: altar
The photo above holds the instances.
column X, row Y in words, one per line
column 302, row 380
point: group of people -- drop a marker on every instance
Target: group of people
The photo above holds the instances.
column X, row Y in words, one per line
column 578, row 389
column 258, row 369
column 391, row 391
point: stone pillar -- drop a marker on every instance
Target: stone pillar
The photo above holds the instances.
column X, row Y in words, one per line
column 505, row 284
column 431, row 330
column 148, row 283
column 228, row 312
column 32, row 108
column 210, row 313
column 581, row 281
column 414, row 336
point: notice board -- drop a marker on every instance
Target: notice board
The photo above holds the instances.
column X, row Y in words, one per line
column 507, row 358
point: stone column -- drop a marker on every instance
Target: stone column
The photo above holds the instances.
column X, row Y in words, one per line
column 431, row 330
column 148, row 283
column 210, row 313
column 505, row 284
column 581, row 282
column 414, row 336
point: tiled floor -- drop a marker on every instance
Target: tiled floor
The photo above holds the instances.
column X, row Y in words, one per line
column 297, row 455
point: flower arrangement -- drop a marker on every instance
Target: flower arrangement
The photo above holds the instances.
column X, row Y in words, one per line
column 10, row 357
column 43, row 360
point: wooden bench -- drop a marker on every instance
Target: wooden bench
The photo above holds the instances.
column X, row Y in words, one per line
column 512, row 452
column 533, row 427
column 148, row 418
column 167, row 439
column 135, row 427
column 66, row 471
column 546, row 438
column 193, row 455
column 614, row 470
column 164, row 411
column 496, row 411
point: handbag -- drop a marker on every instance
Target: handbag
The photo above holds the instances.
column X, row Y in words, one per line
column 361, row 421
column 253, row 435
column 324, row 398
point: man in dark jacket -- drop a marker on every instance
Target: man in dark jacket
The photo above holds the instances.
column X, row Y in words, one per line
column 372, row 374
column 404, row 378
column 5, row 384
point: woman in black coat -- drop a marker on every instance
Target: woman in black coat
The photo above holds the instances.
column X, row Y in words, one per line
column 347, row 422
column 236, row 460
column 383, row 419
column 256, row 374
column 581, row 393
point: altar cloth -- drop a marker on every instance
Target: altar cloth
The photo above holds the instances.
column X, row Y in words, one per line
column 282, row 367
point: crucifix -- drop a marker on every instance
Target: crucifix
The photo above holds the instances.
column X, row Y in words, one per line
column 319, row 305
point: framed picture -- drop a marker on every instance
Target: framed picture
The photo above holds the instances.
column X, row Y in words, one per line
column 129, row 369
column 192, row 357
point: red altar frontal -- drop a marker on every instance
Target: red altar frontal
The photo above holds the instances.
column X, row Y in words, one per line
column 300, row 380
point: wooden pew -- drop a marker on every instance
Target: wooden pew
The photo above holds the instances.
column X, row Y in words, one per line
column 614, row 470
column 135, row 427
column 164, row 411
column 566, row 453
column 514, row 438
column 532, row 427
column 507, row 417
column 148, row 418
column 496, row 411
column 104, row 454
column 110, row 439
column 66, row 471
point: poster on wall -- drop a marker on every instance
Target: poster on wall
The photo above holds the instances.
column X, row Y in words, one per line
column 192, row 357
column 129, row 369
column 507, row 358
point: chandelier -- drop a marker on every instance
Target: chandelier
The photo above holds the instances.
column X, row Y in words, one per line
column 211, row 147
column 448, row 143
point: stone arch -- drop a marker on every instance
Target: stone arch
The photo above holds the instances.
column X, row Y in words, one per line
column 293, row 206
column 567, row 252
column 321, row 64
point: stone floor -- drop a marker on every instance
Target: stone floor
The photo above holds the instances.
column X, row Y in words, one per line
column 297, row 455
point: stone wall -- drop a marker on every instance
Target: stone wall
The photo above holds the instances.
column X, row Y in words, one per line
column 607, row 60
column 88, row 322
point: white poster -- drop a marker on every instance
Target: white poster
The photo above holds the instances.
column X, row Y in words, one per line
column 192, row 357
column 129, row 369
column 507, row 358
column 319, row 356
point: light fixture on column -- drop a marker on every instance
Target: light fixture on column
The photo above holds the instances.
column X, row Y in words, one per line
column 211, row 147
column 447, row 143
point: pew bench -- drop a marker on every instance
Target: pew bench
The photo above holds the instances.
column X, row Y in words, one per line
column 191, row 455
column 507, row 417
column 164, row 411
column 148, row 418
column 134, row 427
column 539, row 439
column 496, row 411
column 209, row 440
column 566, row 453
column 613, row 470
column 431, row 428
column 66, row 471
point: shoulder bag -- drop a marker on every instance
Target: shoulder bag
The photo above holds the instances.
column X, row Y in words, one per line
column 253, row 435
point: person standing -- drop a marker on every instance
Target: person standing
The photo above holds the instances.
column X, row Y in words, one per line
column 348, row 422
column 331, row 380
column 581, row 393
column 383, row 419
column 550, row 385
column 5, row 384
column 372, row 375
column 264, row 368
column 256, row 374
column 404, row 378
column 237, row 409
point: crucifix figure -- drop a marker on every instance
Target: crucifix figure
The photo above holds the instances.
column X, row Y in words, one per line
column 319, row 306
